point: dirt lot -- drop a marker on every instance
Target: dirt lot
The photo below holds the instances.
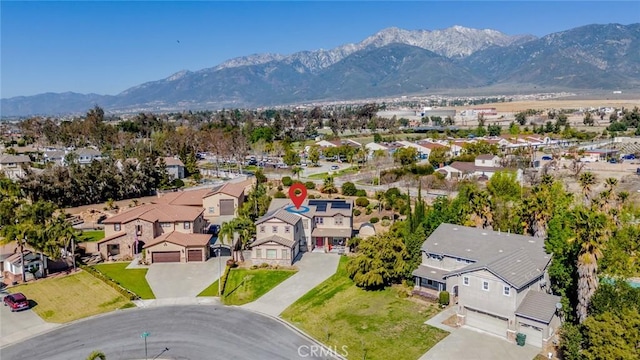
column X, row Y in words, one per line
column 562, row 104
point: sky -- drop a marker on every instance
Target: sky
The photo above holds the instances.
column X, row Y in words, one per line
column 108, row 47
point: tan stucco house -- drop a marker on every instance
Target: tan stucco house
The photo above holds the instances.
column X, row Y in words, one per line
column 325, row 225
column 498, row 281
column 278, row 238
column 128, row 233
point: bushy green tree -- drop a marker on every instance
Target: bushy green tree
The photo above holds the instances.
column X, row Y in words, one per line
column 349, row 189
column 381, row 261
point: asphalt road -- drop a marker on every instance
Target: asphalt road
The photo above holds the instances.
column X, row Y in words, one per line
column 190, row 332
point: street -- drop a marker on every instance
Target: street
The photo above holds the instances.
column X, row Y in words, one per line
column 190, row 332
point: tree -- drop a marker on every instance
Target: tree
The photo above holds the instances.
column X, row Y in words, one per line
column 438, row 156
column 504, row 185
column 95, row 355
column 406, row 156
column 291, row 157
column 587, row 180
column 521, row 118
column 314, row 155
column 349, row 189
column 494, row 130
column 381, row 261
column 612, row 335
column 328, row 187
column 296, row 171
column 588, row 119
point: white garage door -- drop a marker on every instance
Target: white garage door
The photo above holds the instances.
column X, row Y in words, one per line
column 534, row 334
column 488, row 323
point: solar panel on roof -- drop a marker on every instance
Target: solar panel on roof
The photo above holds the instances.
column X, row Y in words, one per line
column 340, row 205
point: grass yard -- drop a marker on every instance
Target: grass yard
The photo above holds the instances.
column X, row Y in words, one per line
column 92, row 235
column 131, row 279
column 347, row 171
column 372, row 324
column 72, row 297
column 245, row 285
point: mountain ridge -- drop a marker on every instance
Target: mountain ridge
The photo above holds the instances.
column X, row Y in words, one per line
column 391, row 62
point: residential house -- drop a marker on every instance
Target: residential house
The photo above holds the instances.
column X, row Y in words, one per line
column 338, row 143
column 498, row 281
column 35, row 266
column 13, row 165
column 278, row 238
column 54, row 156
column 84, row 156
column 483, row 168
column 327, row 224
column 166, row 233
column 175, row 168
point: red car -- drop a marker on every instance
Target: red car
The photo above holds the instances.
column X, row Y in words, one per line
column 16, row 302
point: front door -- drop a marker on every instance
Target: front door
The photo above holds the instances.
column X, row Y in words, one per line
column 320, row 242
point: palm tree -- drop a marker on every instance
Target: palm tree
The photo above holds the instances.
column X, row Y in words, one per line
column 64, row 233
column 95, row 355
column 296, row 170
column 587, row 180
column 591, row 234
column 226, row 235
column 329, row 187
column 380, row 197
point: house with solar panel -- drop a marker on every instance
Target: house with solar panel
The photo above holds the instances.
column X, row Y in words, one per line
column 498, row 281
column 319, row 225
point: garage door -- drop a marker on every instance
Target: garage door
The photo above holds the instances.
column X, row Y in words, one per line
column 486, row 322
column 534, row 334
column 194, row 255
column 226, row 207
column 165, row 256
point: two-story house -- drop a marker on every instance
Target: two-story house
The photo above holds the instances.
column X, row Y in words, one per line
column 160, row 232
column 498, row 280
column 13, row 165
column 278, row 237
column 86, row 155
column 175, row 167
column 326, row 224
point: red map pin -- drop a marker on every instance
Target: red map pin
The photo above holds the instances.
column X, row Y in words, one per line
column 298, row 193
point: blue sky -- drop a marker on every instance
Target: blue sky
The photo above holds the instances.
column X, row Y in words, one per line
column 107, row 47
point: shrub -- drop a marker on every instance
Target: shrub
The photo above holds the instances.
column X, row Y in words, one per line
column 362, row 201
column 385, row 222
column 349, row 189
column 368, row 212
column 374, row 220
column 264, row 265
column 311, row 196
column 287, row 181
column 310, row 185
column 444, row 298
column 280, row 188
column 279, row 195
column 361, row 192
column 109, row 281
column 357, row 212
column 386, row 217
column 177, row 183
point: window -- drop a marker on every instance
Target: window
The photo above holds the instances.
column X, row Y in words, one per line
column 272, row 253
column 262, row 228
column 285, row 254
column 259, row 253
column 138, row 230
column 287, row 229
column 165, row 225
column 319, row 220
column 338, row 220
column 485, row 285
column 116, row 227
column 211, row 210
column 465, row 280
column 274, row 229
column 506, row 291
column 187, row 225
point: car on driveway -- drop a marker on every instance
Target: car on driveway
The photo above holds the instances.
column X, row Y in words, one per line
column 16, row 302
column 335, row 167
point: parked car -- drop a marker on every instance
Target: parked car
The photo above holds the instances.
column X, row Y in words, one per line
column 335, row 167
column 629, row 157
column 547, row 157
column 16, row 302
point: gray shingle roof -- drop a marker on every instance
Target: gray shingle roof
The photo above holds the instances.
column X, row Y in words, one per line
column 273, row 238
column 280, row 214
column 429, row 272
column 334, row 232
column 517, row 259
column 538, row 306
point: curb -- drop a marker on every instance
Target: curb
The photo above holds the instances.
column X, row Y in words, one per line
column 296, row 330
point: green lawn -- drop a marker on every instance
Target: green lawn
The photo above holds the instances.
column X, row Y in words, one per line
column 92, row 235
column 371, row 324
column 347, row 171
column 244, row 285
column 131, row 279
column 72, row 297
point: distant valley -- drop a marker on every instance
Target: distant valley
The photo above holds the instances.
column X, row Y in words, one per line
column 391, row 62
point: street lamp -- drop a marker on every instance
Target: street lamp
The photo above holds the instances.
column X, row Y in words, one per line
column 144, row 335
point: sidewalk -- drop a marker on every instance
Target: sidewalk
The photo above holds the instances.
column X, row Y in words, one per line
column 437, row 320
column 22, row 335
column 204, row 300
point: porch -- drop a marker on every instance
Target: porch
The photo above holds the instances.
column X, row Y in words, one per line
column 330, row 240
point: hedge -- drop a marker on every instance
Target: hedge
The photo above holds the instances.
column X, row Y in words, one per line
column 310, row 185
column 109, row 281
column 287, row 181
column 362, row 201
column 444, row 298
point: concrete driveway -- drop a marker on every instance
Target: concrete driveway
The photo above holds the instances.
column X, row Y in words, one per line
column 466, row 343
column 178, row 280
column 21, row 325
column 313, row 268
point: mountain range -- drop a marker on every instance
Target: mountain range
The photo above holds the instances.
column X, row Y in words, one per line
column 391, row 62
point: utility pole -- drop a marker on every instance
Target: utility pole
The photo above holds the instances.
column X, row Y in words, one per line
column 144, row 335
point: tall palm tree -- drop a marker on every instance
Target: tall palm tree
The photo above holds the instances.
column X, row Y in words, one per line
column 296, row 170
column 329, row 187
column 592, row 231
column 380, row 197
column 587, row 180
